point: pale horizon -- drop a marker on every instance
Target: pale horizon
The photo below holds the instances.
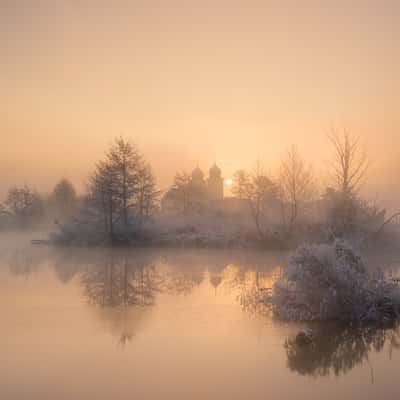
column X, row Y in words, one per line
column 196, row 84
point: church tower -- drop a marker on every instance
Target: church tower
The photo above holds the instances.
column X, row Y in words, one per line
column 215, row 184
column 198, row 178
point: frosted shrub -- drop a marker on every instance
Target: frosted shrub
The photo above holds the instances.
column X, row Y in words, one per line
column 324, row 282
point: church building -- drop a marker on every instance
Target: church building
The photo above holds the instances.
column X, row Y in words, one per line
column 201, row 193
column 215, row 184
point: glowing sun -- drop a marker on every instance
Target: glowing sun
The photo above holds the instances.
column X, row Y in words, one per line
column 228, row 182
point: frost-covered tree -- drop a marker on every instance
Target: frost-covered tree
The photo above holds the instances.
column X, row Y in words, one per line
column 104, row 194
column 182, row 190
column 296, row 186
column 122, row 184
column 240, row 184
column 259, row 191
column 126, row 162
column 25, row 204
column 350, row 163
column 348, row 170
column 64, row 198
column 147, row 194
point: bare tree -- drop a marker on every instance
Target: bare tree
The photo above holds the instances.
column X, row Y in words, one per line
column 350, row 162
column 296, row 186
column 64, row 197
column 104, row 193
column 24, row 203
column 259, row 190
column 349, row 169
column 182, row 190
column 147, row 194
column 240, row 184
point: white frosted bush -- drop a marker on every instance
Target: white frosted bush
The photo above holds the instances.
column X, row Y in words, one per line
column 323, row 282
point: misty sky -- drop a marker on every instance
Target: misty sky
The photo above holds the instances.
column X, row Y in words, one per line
column 196, row 82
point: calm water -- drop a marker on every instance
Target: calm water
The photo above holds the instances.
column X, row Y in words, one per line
column 163, row 324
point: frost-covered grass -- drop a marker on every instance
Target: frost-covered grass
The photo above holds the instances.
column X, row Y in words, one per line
column 196, row 230
column 86, row 234
column 331, row 282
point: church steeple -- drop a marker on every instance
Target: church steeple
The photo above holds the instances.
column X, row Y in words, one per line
column 215, row 171
column 215, row 184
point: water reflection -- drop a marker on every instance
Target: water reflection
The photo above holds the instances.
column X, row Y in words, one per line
column 113, row 278
column 117, row 282
column 24, row 261
column 121, row 287
column 338, row 348
column 334, row 348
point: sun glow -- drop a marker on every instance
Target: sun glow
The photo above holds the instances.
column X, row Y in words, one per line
column 228, row 182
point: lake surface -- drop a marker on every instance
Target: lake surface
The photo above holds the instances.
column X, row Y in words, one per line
column 170, row 324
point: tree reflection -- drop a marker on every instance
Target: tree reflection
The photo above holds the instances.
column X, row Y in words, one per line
column 124, row 286
column 253, row 289
column 339, row 348
column 23, row 262
column 129, row 281
column 119, row 282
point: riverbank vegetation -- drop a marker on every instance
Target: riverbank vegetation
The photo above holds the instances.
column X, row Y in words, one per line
column 332, row 282
column 123, row 205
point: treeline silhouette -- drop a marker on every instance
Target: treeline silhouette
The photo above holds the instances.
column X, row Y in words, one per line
column 122, row 204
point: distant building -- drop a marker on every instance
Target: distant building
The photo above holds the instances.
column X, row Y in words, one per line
column 201, row 192
column 204, row 195
column 197, row 198
column 215, row 184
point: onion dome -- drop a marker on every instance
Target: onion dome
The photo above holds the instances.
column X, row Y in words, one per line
column 197, row 174
column 215, row 171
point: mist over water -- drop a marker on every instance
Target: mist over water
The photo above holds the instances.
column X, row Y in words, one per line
column 199, row 200
column 95, row 323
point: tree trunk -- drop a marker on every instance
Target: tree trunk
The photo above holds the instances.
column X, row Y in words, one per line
column 110, row 217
